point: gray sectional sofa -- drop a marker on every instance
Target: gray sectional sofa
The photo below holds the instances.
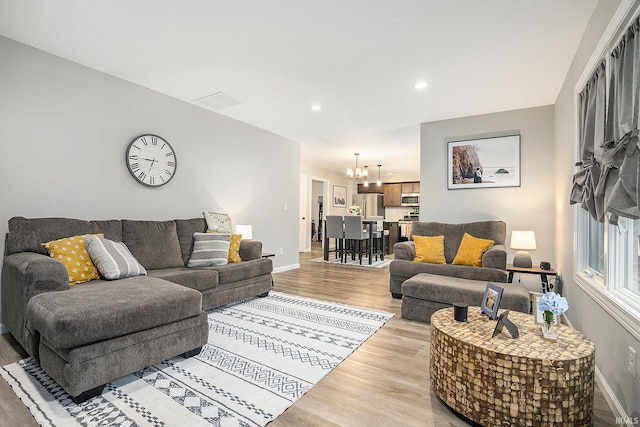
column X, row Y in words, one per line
column 91, row 333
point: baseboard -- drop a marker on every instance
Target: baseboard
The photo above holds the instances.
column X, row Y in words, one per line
column 286, row 268
column 618, row 411
column 614, row 404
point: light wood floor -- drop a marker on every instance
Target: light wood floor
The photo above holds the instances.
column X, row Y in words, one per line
column 383, row 383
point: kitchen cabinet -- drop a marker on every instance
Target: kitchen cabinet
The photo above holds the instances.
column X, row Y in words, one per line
column 410, row 187
column 393, row 237
column 372, row 188
column 392, row 195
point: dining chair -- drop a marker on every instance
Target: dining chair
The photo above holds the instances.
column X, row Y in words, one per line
column 334, row 229
column 378, row 236
column 355, row 233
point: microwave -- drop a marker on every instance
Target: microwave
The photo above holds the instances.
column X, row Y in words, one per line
column 412, row 199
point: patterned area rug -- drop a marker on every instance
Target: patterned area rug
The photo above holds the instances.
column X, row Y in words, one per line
column 263, row 355
column 355, row 263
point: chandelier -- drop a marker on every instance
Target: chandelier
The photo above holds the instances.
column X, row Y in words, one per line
column 358, row 173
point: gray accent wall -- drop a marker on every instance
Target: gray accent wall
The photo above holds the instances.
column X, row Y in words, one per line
column 528, row 207
column 64, row 129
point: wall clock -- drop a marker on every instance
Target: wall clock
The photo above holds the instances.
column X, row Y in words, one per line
column 151, row 160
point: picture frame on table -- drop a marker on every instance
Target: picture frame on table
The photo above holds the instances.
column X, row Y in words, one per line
column 538, row 315
column 491, row 300
column 339, row 197
column 485, row 162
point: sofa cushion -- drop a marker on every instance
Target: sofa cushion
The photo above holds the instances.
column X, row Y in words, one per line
column 113, row 259
column 195, row 278
column 429, row 249
column 186, row 228
column 471, row 250
column 153, row 243
column 27, row 234
column 87, row 313
column 243, row 270
column 72, row 252
column 401, row 270
column 234, row 248
column 209, row 249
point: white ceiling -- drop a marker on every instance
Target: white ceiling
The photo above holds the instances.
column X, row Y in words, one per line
column 359, row 59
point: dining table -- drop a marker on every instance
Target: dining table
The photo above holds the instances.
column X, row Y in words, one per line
column 370, row 223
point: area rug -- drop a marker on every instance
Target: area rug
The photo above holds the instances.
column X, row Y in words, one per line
column 355, row 263
column 263, row 355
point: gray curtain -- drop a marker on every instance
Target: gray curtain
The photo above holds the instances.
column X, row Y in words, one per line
column 592, row 131
column 618, row 185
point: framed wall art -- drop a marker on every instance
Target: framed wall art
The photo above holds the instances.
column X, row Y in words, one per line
column 482, row 163
column 339, row 197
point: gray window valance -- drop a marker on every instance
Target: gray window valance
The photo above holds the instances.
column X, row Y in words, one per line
column 616, row 182
column 591, row 128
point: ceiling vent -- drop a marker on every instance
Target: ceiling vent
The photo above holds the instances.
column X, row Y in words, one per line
column 219, row 101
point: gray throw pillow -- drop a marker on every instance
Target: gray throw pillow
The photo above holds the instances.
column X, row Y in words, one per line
column 113, row 259
column 209, row 250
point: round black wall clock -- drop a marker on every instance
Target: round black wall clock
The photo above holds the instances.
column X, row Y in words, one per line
column 151, row 160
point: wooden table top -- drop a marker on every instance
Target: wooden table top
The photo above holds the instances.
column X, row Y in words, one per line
column 477, row 331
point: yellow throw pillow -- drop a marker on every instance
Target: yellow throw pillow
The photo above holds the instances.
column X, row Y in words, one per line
column 234, row 248
column 72, row 252
column 429, row 249
column 471, row 250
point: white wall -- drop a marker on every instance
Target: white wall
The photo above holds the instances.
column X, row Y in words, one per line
column 610, row 337
column 64, row 131
column 528, row 207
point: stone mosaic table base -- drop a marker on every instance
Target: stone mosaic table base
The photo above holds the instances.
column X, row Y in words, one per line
column 511, row 382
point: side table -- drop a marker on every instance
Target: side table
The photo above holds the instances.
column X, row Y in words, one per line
column 534, row 270
column 519, row 382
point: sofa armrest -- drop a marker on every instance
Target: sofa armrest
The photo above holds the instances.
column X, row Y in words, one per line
column 495, row 257
column 250, row 249
column 404, row 250
column 24, row 275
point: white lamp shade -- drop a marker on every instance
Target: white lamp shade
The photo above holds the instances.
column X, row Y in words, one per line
column 523, row 240
column 245, row 230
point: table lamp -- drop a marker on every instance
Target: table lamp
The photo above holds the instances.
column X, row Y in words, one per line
column 245, row 230
column 523, row 241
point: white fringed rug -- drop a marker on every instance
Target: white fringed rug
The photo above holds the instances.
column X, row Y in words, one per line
column 263, row 355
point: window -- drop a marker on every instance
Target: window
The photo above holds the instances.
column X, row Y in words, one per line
column 607, row 236
column 595, row 247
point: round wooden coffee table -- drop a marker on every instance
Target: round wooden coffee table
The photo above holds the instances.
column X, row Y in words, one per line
column 503, row 381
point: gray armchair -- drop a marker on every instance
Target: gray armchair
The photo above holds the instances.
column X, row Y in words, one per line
column 494, row 260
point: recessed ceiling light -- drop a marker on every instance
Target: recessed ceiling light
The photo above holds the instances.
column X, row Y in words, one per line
column 420, row 85
column 316, row 107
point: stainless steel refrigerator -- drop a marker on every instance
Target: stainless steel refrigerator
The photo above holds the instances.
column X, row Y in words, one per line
column 371, row 204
